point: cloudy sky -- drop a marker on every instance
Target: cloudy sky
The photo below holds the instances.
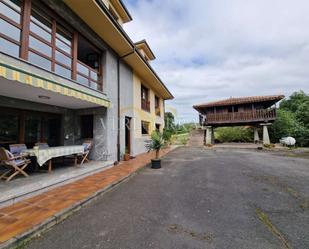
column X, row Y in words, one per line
column 214, row 49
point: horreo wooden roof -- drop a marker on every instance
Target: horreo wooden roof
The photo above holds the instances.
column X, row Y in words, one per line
column 239, row 101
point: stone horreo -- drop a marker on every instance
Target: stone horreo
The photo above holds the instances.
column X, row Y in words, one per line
column 257, row 111
column 69, row 72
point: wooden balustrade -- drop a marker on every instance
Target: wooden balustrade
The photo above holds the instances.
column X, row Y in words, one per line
column 254, row 115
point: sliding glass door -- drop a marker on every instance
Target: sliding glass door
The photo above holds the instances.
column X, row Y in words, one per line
column 28, row 127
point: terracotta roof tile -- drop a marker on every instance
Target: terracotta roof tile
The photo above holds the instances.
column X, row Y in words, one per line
column 242, row 100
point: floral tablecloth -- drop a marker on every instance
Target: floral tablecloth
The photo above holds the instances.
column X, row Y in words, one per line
column 43, row 155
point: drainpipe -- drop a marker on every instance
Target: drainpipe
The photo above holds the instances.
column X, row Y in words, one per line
column 119, row 59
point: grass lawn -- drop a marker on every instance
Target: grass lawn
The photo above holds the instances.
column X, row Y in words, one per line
column 180, row 139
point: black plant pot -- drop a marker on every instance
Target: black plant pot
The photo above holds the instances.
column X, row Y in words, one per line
column 156, row 163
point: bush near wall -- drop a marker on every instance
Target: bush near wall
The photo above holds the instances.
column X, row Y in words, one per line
column 234, row 134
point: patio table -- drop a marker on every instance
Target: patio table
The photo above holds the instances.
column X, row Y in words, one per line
column 46, row 154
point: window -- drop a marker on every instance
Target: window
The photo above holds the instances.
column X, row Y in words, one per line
column 10, row 27
column 40, row 39
column 157, row 106
column 145, row 99
column 88, row 65
column 50, row 43
column 145, row 128
column 158, row 126
column 39, row 60
column 86, row 126
column 8, row 129
column 53, row 54
column 8, row 47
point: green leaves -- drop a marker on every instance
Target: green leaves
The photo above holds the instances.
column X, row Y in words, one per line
column 156, row 143
column 234, row 134
column 293, row 119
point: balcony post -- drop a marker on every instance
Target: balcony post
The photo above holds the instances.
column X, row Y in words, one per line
column 266, row 140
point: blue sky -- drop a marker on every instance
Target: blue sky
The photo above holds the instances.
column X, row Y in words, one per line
column 215, row 49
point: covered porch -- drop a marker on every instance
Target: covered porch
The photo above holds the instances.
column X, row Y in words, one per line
column 37, row 106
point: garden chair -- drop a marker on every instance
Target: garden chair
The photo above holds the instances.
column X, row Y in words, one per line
column 17, row 149
column 15, row 165
column 87, row 147
column 42, row 145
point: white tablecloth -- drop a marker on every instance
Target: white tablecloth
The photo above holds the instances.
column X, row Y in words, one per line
column 43, row 155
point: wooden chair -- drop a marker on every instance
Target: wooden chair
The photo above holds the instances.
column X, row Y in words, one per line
column 17, row 149
column 42, row 145
column 87, row 147
column 15, row 165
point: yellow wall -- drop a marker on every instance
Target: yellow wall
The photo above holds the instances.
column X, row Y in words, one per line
column 140, row 114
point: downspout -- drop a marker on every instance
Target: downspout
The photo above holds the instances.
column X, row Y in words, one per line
column 118, row 100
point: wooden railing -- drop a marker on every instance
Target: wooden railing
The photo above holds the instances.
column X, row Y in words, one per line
column 145, row 105
column 88, row 76
column 254, row 115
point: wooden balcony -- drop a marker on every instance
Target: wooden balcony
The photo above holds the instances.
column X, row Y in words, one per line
column 146, row 105
column 242, row 117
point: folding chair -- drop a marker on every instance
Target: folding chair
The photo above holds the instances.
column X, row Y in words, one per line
column 14, row 164
column 17, row 149
column 42, row 145
column 87, row 147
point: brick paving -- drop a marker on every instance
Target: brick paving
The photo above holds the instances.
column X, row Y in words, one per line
column 24, row 215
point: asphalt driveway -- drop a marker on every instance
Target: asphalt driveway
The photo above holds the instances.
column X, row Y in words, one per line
column 199, row 199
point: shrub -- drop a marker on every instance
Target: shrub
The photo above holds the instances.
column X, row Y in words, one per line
column 234, row 134
column 167, row 135
column 156, row 143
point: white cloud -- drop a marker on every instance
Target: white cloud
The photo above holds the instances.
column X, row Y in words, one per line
column 213, row 49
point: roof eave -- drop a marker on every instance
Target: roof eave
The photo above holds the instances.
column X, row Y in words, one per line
column 216, row 103
column 151, row 54
column 116, row 38
column 125, row 14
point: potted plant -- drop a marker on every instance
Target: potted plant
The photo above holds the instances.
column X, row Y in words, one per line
column 126, row 156
column 156, row 144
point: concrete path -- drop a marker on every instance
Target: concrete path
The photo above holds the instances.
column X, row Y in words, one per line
column 201, row 198
column 25, row 218
column 196, row 138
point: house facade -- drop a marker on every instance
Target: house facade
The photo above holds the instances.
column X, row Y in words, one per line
column 69, row 72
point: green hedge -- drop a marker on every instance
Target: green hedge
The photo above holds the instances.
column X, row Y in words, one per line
column 234, row 134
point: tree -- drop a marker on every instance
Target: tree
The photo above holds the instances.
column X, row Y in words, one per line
column 293, row 119
column 283, row 126
column 169, row 120
column 302, row 113
column 294, row 101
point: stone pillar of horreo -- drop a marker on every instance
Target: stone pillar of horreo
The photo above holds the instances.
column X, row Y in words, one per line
column 204, row 134
column 212, row 135
column 266, row 140
column 256, row 135
column 208, row 135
